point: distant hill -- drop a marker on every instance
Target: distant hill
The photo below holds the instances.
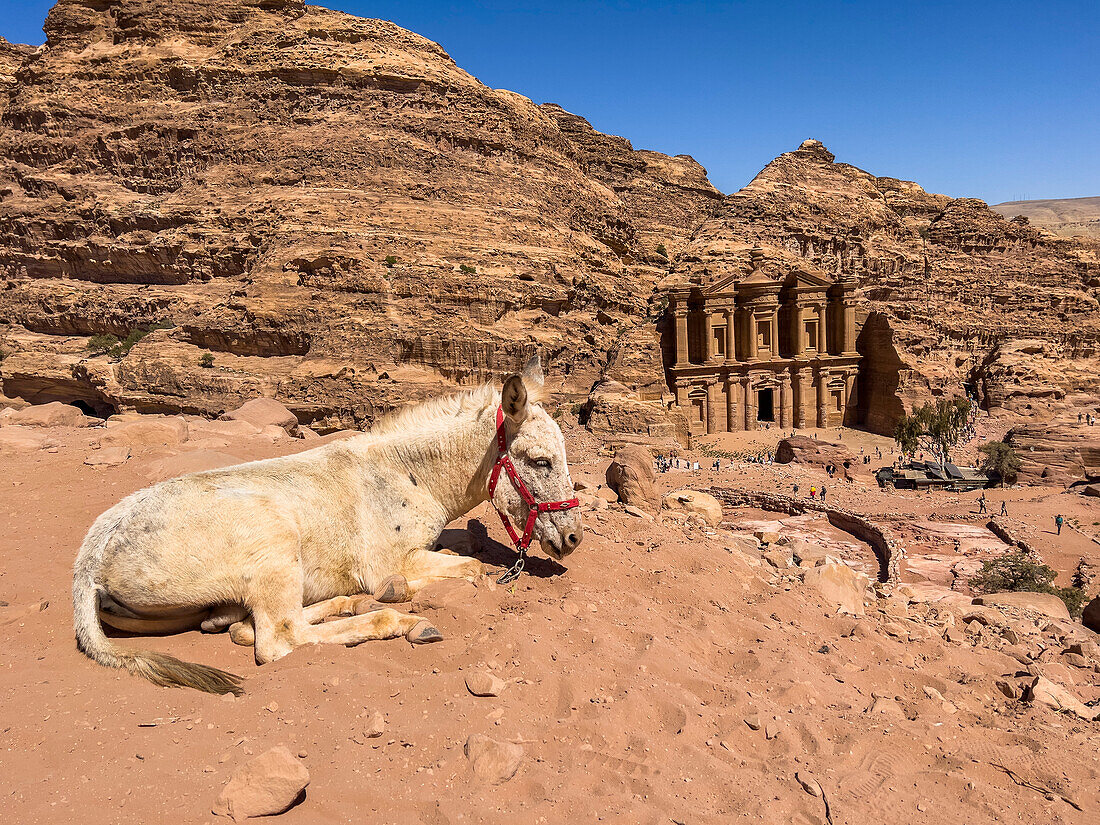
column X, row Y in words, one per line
column 1064, row 216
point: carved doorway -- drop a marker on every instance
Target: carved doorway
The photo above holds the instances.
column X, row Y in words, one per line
column 765, row 406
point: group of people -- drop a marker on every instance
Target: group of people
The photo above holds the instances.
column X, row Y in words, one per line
column 815, row 491
column 983, row 505
column 1087, row 418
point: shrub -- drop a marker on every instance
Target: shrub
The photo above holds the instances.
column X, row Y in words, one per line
column 467, row 270
column 206, row 360
column 391, row 261
column 101, row 343
column 661, row 250
column 1000, row 460
column 1019, row 572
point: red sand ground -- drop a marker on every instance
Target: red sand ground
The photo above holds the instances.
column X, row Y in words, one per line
column 632, row 677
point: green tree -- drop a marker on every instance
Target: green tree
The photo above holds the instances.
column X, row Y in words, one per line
column 936, row 427
column 1000, row 460
column 206, row 360
column 1019, row 572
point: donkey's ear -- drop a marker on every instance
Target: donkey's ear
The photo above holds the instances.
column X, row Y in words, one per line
column 532, row 373
column 513, row 399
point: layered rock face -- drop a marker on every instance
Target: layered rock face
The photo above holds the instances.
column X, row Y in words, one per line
column 301, row 204
column 328, row 205
column 949, row 287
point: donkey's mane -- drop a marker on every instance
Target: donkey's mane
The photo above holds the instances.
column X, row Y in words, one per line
column 425, row 415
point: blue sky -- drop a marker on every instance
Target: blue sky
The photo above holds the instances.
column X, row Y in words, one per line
column 997, row 100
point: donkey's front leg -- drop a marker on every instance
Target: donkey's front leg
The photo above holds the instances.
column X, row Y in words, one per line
column 423, row 567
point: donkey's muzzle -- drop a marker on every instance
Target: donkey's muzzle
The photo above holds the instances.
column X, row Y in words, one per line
column 571, row 539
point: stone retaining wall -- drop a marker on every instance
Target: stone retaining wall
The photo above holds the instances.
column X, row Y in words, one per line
column 888, row 548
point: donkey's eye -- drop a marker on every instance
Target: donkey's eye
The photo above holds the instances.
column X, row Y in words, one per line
column 542, row 463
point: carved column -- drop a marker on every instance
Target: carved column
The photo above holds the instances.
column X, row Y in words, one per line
column 731, row 337
column 822, row 340
column 799, row 399
column 849, row 395
column 750, row 403
column 849, row 327
column 708, row 345
column 798, row 331
column 734, row 418
column 775, row 332
column 822, row 398
column 785, row 404
column 751, row 351
column 681, row 335
column 714, row 410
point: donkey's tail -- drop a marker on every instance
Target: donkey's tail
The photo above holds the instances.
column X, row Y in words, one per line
column 158, row 668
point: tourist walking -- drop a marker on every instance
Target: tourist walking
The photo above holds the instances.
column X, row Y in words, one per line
column 981, row 504
column 822, row 492
column 1004, row 508
column 1058, row 520
column 813, row 493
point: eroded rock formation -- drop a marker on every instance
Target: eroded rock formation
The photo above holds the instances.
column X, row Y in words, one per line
column 302, row 204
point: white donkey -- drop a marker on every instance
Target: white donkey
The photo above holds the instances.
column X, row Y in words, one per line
column 321, row 528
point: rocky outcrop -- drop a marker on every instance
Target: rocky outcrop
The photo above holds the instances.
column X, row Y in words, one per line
column 1061, row 453
column 305, row 201
column 800, row 449
column 265, row 198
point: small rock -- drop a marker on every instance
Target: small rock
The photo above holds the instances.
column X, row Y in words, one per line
column 108, row 456
column 753, row 721
column 492, row 761
column 376, row 726
column 1009, row 689
column 772, row 730
column 809, row 784
column 266, row 785
column 484, row 683
column 766, row 536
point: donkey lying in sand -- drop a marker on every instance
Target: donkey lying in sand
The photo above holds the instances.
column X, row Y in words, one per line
column 321, row 528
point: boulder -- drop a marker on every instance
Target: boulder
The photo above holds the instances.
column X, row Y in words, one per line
column 800, row 449
column 145, row 431
column 840, row 584
column 266, row 785
column 633, row 480
column 1056, row 453
column 1091, row 490
column 692, row 501
column 261, row 412
column 1046, row 604
column 1090, row 618
column 54, row 414
column 492, row 761
column 1046, row 692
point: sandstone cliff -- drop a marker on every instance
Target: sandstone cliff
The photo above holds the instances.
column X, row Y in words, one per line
column 328, row 205
column 299, row 203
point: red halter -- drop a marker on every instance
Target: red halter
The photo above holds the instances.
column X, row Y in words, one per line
column 533, row 507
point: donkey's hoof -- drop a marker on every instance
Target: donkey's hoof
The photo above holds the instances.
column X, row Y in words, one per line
column 392, row 589
column 424, row 633
column 243, row 633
